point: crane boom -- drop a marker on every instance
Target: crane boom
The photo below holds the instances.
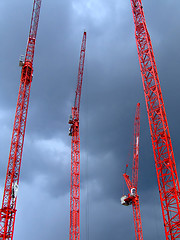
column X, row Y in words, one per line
column 167, row 176
column 133, row 197
column 33, row 31
column 136, row 147
column 8, row 210
column 80, row 74
column 74, row 229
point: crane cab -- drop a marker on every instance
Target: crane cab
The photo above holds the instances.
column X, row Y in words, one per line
column 133, row 192
column 70, row 131
column 70, row 119
column 21, row 61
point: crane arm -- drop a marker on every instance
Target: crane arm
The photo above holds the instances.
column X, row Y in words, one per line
column 135, row 166
column 80, row 74
column 128, row 181
column 33, row 31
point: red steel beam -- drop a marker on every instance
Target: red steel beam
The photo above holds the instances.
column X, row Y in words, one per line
column 167, row 177
column 8, row 210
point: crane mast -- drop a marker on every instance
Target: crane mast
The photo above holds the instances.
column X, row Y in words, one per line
column 167, row 176
column 74, row 230
column 8, row 210
column 133, row 197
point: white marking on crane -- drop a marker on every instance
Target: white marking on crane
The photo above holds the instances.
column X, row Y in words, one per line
column 137, row 142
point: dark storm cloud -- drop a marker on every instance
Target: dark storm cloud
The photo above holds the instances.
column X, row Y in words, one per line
column 111, row 88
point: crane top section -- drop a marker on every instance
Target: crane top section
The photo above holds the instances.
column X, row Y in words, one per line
column 136, row 147
column 136, row 4
column 138, row 14
column 33, row 31
column 74, row 118
column 80, row 76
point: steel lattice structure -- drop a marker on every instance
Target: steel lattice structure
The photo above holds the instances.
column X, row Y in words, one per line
column 8, row 210
column 74, row 229
column 133, row 197
column 162, row 147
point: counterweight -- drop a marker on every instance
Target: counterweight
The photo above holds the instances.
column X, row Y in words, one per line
column 162, row 147
column 8, row 210
column 74, row 229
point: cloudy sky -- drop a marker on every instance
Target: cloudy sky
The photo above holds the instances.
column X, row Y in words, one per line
column 111, row 88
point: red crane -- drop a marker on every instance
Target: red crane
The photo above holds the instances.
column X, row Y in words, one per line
column 8, row 210
column 74, row 229
column 133, row 197
column 167, row 177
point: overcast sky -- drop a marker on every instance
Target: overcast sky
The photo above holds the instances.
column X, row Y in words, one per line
column 112, row 87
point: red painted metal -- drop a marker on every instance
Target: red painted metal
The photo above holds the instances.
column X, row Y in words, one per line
column 133, row 197
column 137, row 218
column 8, row 210
column 162, row 147
column 136, row 147
column 74, row 229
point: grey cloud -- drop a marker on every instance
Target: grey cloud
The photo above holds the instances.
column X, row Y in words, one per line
column 112, row 86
